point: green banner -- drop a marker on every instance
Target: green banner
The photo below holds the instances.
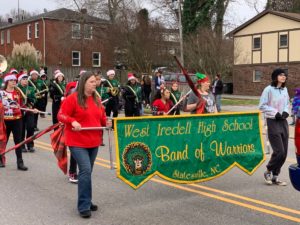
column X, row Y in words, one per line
column 188, row 148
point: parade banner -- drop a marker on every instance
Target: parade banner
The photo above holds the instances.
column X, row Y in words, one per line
column 187, row 148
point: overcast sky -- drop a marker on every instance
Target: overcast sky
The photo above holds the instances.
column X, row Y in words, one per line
column 238, row 11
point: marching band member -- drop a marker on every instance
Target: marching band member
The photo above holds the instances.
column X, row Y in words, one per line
column 203, row 85
column 57, row 91
column 162, row 103
column 28, row 101
column 12, row 100
column 175, row 96
column 114, row 89
column 46, row 84
column 274, row 102
column 132, row 95
column 39, row 89
column 101, row 90
column 83, row 108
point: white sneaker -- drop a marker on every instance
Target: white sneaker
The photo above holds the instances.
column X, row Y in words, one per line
column 73, row 178
column 276, row 181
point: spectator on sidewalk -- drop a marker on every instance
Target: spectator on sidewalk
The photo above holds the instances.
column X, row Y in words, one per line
column 274, row 102
column 217, row 90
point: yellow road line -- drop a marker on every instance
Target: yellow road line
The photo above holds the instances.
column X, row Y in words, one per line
column 227, row 200
column 246, row 198
column 267, row 211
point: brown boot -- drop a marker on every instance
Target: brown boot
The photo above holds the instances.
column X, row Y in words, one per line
column 1, row 162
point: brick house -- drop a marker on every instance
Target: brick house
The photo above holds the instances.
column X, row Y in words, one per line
column 267, row 41
column 64, row 38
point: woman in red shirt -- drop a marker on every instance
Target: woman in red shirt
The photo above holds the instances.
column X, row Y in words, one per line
column 12, row 100
column 84, row 109
column 162, row 103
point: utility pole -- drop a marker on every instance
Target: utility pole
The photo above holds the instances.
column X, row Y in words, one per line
column 177, row 9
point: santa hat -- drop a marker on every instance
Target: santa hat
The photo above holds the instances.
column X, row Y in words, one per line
column 82, row 72
column 110, row 72
column 71, row 87
column 33, row 71
column 131, row 76
column 9, row 76
column 13, row 70
column 58, row 73
column 201, row 78
column 42, row 73
column 22, row 75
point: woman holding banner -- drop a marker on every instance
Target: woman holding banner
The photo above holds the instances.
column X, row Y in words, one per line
column 203, row 85
column 84, row 109
column 162, row 103
column 274, row 102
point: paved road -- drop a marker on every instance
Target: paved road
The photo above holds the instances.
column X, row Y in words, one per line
column 43, row 195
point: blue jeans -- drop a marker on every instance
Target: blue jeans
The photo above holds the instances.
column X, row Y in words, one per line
column 218, row 102
column 85, row 158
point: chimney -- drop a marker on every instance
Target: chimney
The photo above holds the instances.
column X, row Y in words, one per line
column 83, row 11
column 10, row 20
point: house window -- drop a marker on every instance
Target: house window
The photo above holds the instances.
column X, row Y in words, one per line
column 28, row 31
column 8, row 36
column 88, row 31
column 75, row 58
column 256, row 43
column 257, row 75
column 96, row 59
column 2, row 37
column 76, row 30
column 37, row 30
column 283, row 41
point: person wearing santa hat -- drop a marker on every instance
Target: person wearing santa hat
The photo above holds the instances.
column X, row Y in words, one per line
column 114, row 90
column 46, row 84
column 132, row 94
column 12, row 100
column 28, row 101
column 57, row 92
column 39, row 88
column 203, row 87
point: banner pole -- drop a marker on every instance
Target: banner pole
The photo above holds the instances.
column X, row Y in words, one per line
column 110, row 145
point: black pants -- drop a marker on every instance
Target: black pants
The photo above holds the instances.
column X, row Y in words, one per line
column 278, row 133
column 132, row 109
column 28, row 127
column 73, row 165
column 44, row 102
column 15, row 126
column 38, row 105
column 112, row 106
column 55, row 109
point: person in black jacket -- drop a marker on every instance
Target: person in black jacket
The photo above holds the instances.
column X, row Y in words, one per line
column 57, row 91
column 217, row 90
column 132, row 94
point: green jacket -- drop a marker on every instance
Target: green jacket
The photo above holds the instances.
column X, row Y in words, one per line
column 1, row 83
column 28, row 95
column 175, row 96
column 103, row 92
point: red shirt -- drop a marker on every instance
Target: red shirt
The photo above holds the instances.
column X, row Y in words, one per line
column 158, row 107
column 12, row 101
column 91, row 116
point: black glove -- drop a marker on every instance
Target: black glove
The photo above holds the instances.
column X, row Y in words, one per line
column 285, row 115
column 278, row 116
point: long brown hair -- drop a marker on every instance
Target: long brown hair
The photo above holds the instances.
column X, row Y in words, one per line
column 81, row 97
